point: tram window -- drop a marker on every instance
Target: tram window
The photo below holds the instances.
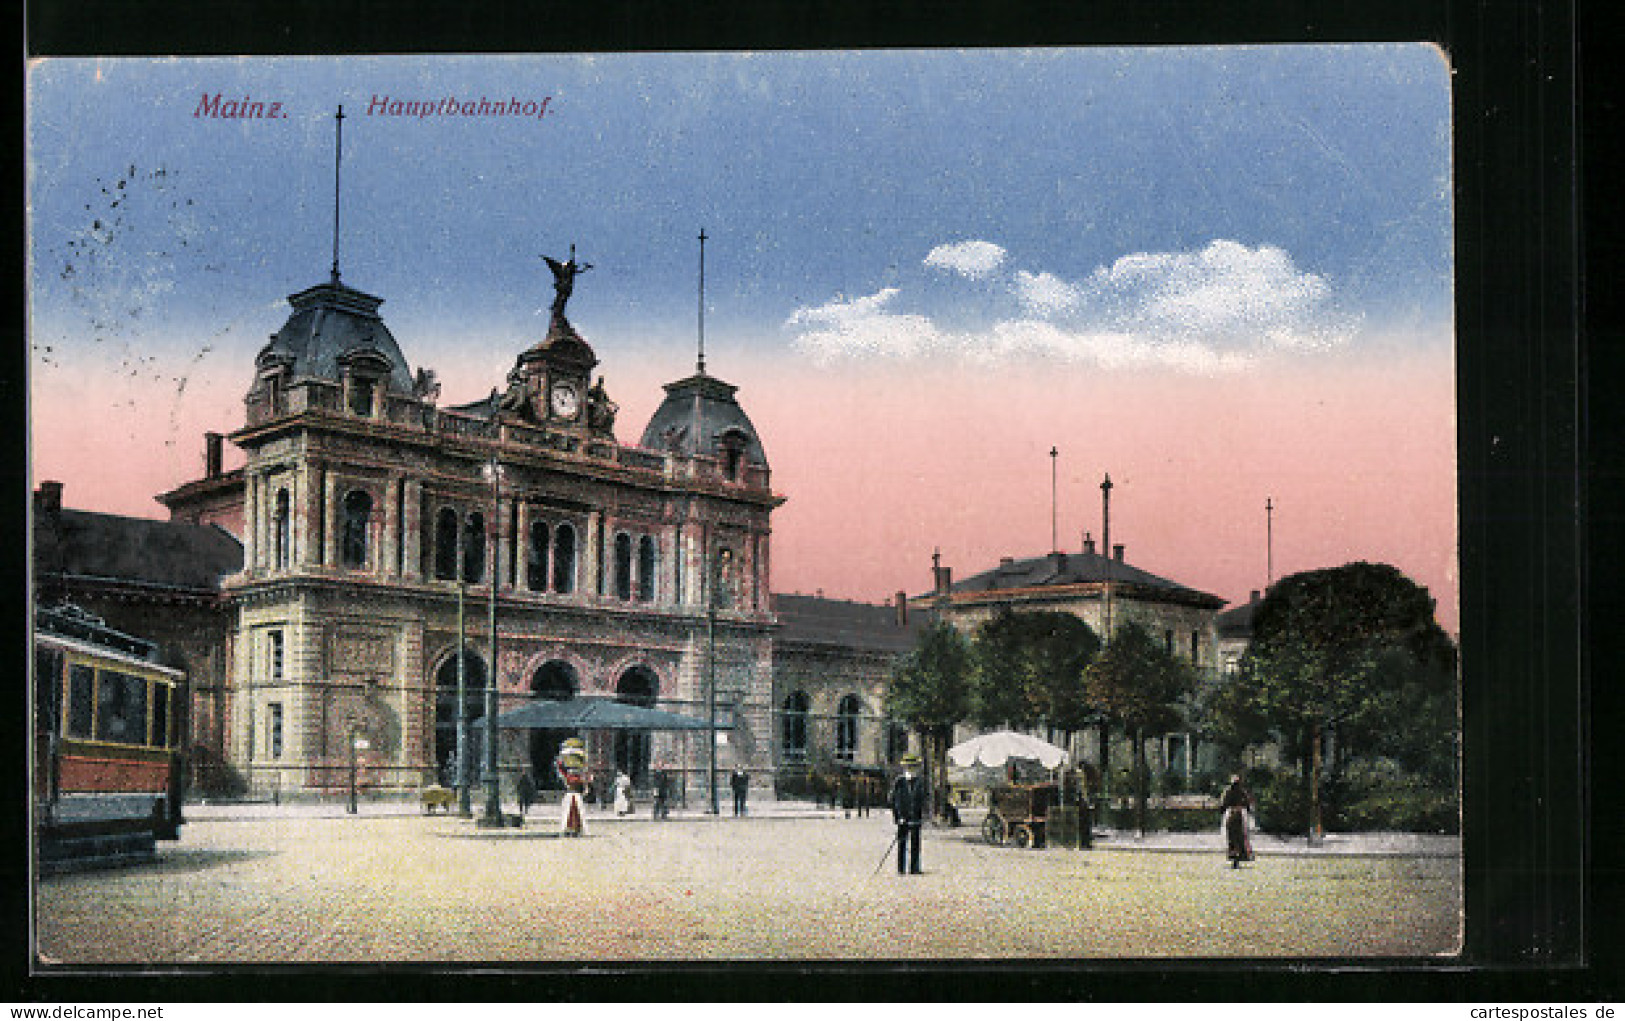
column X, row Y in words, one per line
column 48, row 688
column 121, row 708
column 81, row 700
column 160, row 715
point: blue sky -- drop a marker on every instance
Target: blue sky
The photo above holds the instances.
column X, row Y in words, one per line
column 820, row 177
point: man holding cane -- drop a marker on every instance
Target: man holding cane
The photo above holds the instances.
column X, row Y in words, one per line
column 908, row 799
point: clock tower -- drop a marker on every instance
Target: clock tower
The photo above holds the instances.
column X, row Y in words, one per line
column 554, row 377
column 550, row 384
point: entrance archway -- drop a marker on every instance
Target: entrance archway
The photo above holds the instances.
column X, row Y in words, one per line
column 556, row 681
column 640, row 687
column 445, row 712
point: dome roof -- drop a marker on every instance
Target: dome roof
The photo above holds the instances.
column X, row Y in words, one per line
column 333, row 324
column 698, row 414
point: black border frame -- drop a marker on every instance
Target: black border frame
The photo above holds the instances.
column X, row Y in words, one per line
column 1528, row 470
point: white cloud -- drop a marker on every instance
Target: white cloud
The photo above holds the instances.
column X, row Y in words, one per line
column 1217, row 309
column 1223, row 293
column 862, row 326
column 973, row 259
column 1046, row 293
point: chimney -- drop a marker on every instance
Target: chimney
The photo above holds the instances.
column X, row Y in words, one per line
column 902, row 609
column 1006, row 562
column 1117, row 552
column 48, row 499
column 941, row 577
column 211, row 455
column 1089, row 544
column 1254, row 597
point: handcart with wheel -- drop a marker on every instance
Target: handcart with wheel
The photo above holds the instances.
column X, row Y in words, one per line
column 1017, row 814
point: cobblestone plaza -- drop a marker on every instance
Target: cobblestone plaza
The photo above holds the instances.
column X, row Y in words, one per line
column 324, row 887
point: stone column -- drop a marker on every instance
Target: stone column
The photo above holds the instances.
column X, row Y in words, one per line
column 412, row 530
column 299, row 517
column 521, row 545
column 251, row 546
column 330, row 543
column 760, row 588
column 389, row 550
column 499, row 545
column 592, row 550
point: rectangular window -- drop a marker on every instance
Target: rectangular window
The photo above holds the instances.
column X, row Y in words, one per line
column 361, row 390
column 121, row 708
column 276, row 730
column 1196, row 648
column 275, row 638
column 48, row 689
column 81, row 700
column 1168, row 641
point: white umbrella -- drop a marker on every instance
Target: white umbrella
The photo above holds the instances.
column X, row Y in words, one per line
column 999, row 747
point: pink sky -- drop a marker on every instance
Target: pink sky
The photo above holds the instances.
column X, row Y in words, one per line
column 882, row 462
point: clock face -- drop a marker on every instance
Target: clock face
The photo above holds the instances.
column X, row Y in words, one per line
column 566, row 400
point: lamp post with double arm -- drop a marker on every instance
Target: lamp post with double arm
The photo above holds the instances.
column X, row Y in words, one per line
column 493, row 794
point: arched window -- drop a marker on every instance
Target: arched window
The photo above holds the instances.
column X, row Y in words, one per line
column 555, row 681
column 282, row 537
column 722, row 579
column 846, row 728
column 564, row 559
column 445, row 712
column 361, row 390
column 731, row 449
column 474, row 548
column 536, row 558
column 357, row 522
column 623, row 566
column 445, row 544
column 646, row 570
column 640, row 687
column 794, row 725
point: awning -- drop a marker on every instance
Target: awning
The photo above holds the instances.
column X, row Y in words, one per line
column 594, row 714
column 1001, row 746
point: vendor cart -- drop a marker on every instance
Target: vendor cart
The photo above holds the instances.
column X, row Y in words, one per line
column 1017, row 814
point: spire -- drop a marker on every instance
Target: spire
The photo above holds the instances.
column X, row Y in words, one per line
column 1269, row 543
column 1054, row 541
column 700, row 364
column 338, row 157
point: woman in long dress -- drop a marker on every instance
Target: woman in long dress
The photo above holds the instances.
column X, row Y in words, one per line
column 1236, row 803
column 623, row 794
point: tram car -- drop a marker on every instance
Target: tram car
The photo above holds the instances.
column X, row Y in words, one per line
column 108, row 724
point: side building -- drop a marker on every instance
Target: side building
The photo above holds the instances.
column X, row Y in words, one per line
column 1107, row 592
column 160, row 580
column 832, row 665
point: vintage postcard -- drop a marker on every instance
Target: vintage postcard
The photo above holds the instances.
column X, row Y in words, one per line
column 991, row 505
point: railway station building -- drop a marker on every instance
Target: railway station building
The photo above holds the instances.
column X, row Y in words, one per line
column 371, row 533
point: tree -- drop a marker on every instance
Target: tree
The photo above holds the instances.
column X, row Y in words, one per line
column 1138, row 684
column 1028, row 670
column 930, row 692
column 1352, row 650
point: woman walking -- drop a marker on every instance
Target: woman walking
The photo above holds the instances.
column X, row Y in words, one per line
column 1236, row 803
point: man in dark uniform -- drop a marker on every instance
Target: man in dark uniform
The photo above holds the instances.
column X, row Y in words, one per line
column 740, row 782
column 908, row 797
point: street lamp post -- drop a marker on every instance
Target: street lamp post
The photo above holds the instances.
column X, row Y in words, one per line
column 357, row 744
column 493, row 794
column 464, row 808
column 721, row 558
